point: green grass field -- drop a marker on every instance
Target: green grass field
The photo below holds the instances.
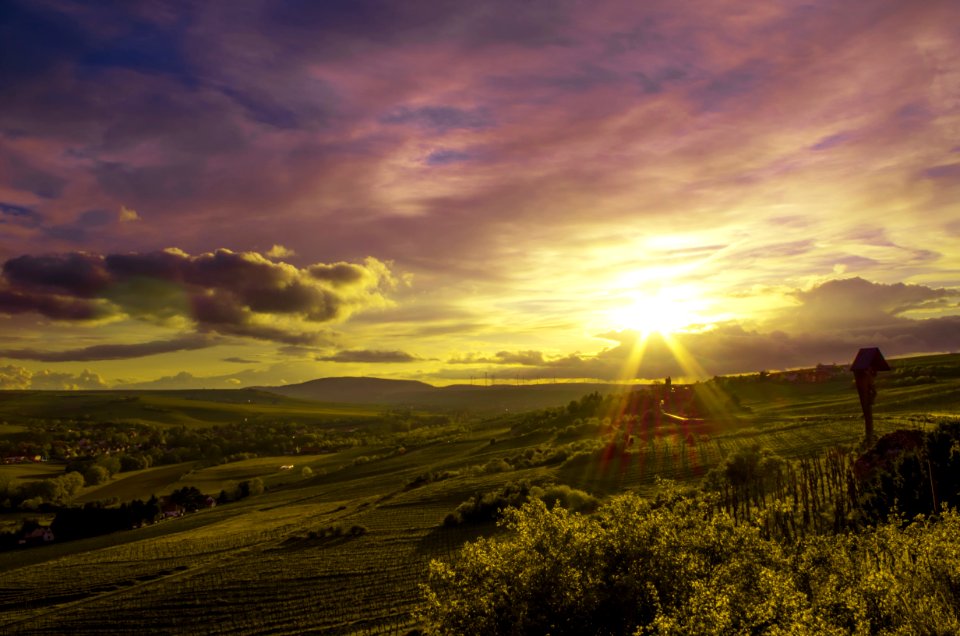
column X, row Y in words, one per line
column 251, row 567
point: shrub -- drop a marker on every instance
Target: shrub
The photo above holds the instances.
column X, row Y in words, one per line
column 337, row 530
column 676, row 566
column 562, row 495
column 95, row 475
column 487, row 507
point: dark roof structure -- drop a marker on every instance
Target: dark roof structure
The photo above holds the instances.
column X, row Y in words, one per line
column 869, row 358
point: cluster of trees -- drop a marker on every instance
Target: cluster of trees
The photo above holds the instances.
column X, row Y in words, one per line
column 94, row 519
column 491, row 506
column 678, row 565
column 39, row 493
column 97, row 518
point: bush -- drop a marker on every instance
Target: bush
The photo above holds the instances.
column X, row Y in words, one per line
column 429, row 477
column 675, row 566
column 491, row 467
column 96, row 475
column 337, row 530
column 570, row 498
column 249, row 488
column 487, row 507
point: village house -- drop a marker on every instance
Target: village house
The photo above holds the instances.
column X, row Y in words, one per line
column 170, row 510
column 37, row 536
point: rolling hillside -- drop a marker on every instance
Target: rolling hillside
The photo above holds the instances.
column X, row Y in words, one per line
column 495, row 398
column 340, row 541
column 170, row 408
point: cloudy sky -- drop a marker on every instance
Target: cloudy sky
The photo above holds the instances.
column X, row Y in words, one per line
column 221, row 194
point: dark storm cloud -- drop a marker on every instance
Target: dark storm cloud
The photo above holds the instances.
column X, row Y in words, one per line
column 52, row 306
column 78, row 274
column 111, row 351
column 364, row 355
column 242, row 294
column 858, row 303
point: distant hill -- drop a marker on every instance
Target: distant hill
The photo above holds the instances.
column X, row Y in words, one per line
column 411, row 393
column 352, row 390
column 193, row 407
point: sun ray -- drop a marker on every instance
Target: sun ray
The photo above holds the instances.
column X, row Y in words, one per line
column 715, row 402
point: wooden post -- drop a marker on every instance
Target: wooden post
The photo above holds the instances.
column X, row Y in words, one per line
column 868, row 394
column 865, row 366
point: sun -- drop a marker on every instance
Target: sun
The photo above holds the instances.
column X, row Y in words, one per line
column 664, row 311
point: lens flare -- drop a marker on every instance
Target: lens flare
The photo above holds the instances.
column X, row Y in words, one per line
column 667, row 310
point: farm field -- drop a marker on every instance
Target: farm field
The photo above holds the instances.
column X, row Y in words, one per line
column 142, row 484
column 345, row 549
column 171, row 408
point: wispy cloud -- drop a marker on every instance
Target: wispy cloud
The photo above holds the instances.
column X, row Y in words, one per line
column 365, row 355
column 112, row 351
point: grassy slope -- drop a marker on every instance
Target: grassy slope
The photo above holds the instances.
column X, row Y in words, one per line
column 191, row 408
column 249, row 568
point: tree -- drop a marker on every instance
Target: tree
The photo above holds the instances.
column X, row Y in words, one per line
column 96, row 475
column 189, row 497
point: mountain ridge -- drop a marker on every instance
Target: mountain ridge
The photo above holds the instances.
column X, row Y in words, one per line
column 414, row 393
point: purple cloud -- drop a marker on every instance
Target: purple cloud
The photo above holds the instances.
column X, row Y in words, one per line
column 223, row 292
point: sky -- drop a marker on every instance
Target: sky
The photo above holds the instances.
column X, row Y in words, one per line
column 223, row 194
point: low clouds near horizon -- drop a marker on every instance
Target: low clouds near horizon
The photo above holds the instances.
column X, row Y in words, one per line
column 224, row 292
column 828, row 323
